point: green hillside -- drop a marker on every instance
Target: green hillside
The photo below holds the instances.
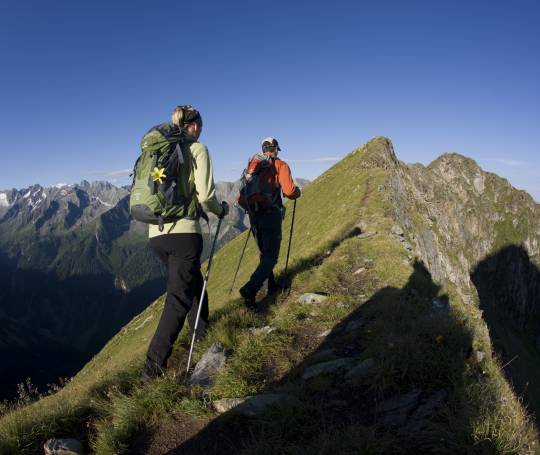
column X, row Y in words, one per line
column 383, row 307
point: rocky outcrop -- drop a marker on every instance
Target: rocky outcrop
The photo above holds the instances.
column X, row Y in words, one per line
column 452, row 215
column 410, row 412
column 327, row 368
column 471, row 228
column 63, row 447
column 254, row 406
column 312, row 298
column 211, row 362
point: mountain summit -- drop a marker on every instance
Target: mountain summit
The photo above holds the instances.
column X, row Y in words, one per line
column 414, row 295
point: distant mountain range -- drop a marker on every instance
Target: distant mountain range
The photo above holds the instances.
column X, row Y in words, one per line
column 74, row 268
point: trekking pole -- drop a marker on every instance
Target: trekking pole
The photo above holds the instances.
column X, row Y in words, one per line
column 290, row 238
column 202, row 294
column 240, row 261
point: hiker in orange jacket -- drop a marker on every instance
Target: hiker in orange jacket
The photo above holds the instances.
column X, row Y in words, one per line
column 266, row 217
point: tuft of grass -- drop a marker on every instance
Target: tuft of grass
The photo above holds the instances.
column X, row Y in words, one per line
column 228, row 329
column 127, row 413
column 255, row 364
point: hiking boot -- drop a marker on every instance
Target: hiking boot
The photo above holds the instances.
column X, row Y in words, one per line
column 150, row 371
column 249, row 299
column 146, row 376
column 273, row 287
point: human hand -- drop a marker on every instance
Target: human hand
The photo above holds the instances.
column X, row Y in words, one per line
column 225, row 211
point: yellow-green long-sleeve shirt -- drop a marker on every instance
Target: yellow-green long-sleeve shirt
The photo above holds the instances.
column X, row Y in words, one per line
column 201, row 180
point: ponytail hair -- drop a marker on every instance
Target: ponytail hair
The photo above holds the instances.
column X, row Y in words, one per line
column 185, row 114
column 177, row 117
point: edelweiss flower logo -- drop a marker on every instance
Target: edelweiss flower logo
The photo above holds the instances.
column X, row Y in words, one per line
column 158, row 175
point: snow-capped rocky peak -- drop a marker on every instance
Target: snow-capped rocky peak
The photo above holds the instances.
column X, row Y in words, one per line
column 35, row 195
column 58, row 207
column 7, row 199
column 4, row 202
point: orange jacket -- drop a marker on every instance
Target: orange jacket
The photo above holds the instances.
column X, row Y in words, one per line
column 285, row 180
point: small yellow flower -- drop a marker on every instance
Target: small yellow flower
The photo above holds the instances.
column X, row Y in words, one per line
column 439, row 339
column 158, row 175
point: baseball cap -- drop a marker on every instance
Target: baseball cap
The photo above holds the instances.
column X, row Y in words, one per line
column 270, row 141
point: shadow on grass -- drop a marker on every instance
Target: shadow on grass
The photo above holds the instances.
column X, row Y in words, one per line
column 415, row 345
column 508, row 286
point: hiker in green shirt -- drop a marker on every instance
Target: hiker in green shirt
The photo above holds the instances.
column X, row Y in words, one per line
column 179, row 246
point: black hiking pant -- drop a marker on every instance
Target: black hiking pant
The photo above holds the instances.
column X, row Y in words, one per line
column 181, row 255
column 267, row 231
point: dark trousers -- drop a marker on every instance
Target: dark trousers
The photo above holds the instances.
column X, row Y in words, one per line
column 267, row 231
column 180, row 253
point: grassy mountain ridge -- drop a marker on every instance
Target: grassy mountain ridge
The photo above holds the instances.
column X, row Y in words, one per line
column 346, row 245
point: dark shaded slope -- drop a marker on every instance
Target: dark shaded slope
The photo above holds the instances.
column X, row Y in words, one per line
column 26, row 353
column 508, row 285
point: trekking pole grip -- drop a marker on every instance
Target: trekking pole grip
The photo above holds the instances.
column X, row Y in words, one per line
column 224, row 206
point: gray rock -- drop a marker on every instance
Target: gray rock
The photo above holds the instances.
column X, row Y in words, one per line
column 439, row 306
column 407, row 246
column 211, row 362
column 359, row 372
column 396, row 230
column 480, row 356
column 325, row 333
column 359, row 271
column 366, row 235
column 395, row 410
column 322, row 356
column 226, row 404
column 312, row 298
column 255, row 406
column 262, row 330
column 422, row 415
column 63, row 447
column 327, row 368
column 405, row 400
column 412, row 411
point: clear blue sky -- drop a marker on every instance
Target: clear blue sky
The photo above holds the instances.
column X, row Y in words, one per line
column 80, row 82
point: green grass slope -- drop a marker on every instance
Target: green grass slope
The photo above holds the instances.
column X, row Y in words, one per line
column 342, row 247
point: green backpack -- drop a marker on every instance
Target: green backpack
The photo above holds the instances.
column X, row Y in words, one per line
column 160, row 191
